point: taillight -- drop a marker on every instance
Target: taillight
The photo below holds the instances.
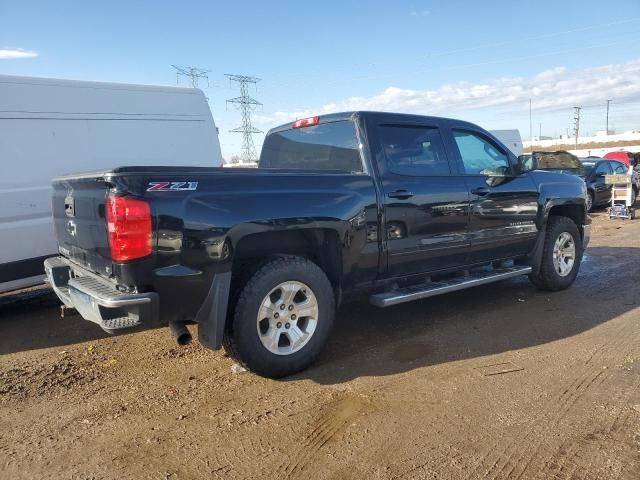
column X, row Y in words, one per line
column 306, row 122
column 128, row 227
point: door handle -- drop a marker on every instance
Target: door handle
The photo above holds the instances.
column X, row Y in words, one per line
column 400, row 194
column 480, row 191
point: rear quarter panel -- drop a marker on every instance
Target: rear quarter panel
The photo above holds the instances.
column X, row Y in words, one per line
column 197, row 232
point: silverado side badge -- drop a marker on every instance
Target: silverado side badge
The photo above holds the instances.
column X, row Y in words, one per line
column 172, row 186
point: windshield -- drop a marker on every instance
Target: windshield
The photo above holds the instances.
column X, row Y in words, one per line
column 327, row 146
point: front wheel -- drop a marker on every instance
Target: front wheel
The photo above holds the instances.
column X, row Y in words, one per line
column 589, row 201
column 561, row 255
column 283, row 317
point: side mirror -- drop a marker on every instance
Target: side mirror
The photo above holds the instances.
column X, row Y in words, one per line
column 526, row 163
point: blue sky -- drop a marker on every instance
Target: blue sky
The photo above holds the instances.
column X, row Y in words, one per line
column 478, row 60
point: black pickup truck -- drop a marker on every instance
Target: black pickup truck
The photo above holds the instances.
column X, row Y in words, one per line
column 385, row 206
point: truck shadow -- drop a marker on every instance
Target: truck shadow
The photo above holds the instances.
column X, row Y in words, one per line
column 368, row 341
column 31, row 320
column 482, row 321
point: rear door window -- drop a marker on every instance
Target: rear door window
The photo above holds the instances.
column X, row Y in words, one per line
column 414, row 151
column 327, row 146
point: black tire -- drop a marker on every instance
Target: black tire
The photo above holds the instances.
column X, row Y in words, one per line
column 242, row 341
column 548, row 278
column 634, row 196
column 590, row 200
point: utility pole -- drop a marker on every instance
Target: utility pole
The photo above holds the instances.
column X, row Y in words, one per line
column 246, row 104
column 530, row 122
column 607, row 130
column 195, row 74
column 540, row 131
column 576, row 123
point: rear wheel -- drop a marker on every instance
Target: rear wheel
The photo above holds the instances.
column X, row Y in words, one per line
column 561, row 255
column 283, row 317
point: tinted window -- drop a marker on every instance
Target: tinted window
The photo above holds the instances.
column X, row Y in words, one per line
column 414, row 151
column 603, row 167
column 619, row 167
column 327, row 146
column 588, row 167
column 480, row 156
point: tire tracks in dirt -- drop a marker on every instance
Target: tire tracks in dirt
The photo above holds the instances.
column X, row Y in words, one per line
column 335, row 418
column 515, row 457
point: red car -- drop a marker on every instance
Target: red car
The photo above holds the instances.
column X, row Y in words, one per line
column 621, row 156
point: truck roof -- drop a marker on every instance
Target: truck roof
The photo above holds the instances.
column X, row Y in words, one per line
column 391, row 116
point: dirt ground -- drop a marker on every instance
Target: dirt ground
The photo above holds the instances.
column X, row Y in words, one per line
column 501, row 381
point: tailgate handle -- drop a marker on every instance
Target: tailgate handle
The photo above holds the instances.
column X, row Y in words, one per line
column 401, row 194
column 69, row 206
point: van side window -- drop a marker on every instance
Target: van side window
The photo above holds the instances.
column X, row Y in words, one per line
column 414, row 151
column 479, row 156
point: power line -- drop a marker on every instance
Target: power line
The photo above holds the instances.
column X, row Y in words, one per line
column 193, row 73
column 597, row 26
column 626, row 39
column 607, row 130
column 246, row 104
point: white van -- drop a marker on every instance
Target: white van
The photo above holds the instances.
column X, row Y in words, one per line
column 52, row 127
column 511, row 139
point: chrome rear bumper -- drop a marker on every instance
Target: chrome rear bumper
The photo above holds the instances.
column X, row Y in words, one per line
column 97, row 299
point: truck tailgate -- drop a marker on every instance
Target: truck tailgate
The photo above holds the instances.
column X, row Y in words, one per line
column 78, row 206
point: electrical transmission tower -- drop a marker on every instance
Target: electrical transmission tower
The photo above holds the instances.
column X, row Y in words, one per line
column 576, row 123
column 195, row 74
column 246, row 104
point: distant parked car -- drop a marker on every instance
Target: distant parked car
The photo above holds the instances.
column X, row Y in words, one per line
column 595, row 169
column 559, row 161
column 621, row 156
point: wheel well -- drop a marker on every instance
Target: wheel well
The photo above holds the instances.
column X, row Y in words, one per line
column 574, row 212
column 319, row 245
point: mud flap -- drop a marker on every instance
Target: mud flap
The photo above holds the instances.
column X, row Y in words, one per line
column 535, row 259
column 212, row 316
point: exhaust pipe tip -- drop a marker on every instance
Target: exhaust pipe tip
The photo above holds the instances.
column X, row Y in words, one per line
column 179, row 330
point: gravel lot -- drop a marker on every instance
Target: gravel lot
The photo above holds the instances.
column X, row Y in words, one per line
column 501, row 381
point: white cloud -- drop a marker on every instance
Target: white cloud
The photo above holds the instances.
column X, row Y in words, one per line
column 13, row 53
column 552, row 89
column 420, row 13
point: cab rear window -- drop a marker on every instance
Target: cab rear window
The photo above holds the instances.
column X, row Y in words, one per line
column 327, row 146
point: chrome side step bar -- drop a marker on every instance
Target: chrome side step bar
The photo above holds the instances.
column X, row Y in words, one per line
column 432, row 289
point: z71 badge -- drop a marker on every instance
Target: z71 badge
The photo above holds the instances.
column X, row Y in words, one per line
column 172, row 186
